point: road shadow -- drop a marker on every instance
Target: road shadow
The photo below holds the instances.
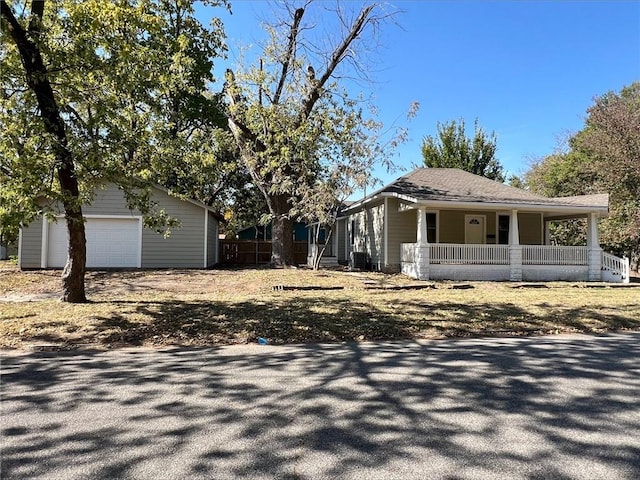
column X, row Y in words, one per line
column 545, row 407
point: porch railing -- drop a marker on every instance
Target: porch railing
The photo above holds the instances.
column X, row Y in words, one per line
column 554, row 255
column 616, row 265
column 461, row 254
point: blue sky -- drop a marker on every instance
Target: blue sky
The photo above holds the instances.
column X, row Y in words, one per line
column 527, row 70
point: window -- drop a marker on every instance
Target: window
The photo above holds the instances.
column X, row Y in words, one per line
column 432, row 228
column 503, row 229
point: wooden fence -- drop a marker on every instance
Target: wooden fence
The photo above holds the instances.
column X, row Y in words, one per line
column 255, row 252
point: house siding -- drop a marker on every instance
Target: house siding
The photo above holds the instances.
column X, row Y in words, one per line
column 369, row 233
column 184, row 247
column 530, row 228
column 30, row 245
column 109, row 201
column 451, row 226
column 402, row 228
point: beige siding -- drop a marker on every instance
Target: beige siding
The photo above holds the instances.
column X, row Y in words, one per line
column 369, row 233
column 452, row 224
column 30, row 245
column 402, row 228
column 375, row 226
column 184, row 248
column 492, row 234
column 530, row 228
column 451, row 227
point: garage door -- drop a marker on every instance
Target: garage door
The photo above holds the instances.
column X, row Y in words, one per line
column 111, row 242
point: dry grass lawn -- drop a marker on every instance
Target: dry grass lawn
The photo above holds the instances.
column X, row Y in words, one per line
column 202, row 308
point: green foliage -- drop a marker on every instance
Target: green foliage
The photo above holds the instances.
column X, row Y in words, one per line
column 453, row 149
column 611, row 140
column 604, row 157
column 130, row 79
column 305, row 140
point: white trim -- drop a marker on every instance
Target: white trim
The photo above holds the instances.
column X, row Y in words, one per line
column 20, row 248
column 514, row 228
column 140, row 230
column 385, row 230
column 484, row 206
column 206, row 237
column 484, row 228
column 44, row 242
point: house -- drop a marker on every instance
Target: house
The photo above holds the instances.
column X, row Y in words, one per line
column 116, row 237
column 444, row 223
column 263, row 232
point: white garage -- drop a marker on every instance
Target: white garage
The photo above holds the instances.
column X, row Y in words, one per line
column 112, row 242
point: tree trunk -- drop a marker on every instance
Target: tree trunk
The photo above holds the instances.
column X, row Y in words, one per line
column 38, row 82
column 74, row 270
column 282, row 253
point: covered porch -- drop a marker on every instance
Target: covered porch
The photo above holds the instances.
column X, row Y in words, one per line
column 507, row 259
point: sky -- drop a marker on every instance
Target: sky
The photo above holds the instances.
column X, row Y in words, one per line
column 527, row 70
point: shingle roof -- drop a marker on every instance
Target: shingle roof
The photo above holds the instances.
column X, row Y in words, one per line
column 455, row 185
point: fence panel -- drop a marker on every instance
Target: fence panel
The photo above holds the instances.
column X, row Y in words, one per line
column 252, row 252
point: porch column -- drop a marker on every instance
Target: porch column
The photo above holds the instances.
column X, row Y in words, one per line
column 593, row 248
column 311, row 246
column 515, row 250
column 422, row 246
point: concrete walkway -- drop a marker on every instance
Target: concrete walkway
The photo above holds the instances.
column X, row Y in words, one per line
column 565, row 407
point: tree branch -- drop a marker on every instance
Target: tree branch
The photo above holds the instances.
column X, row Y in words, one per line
column 37, row 11
column 235, row 124
column 290, row 54
column 338, row 55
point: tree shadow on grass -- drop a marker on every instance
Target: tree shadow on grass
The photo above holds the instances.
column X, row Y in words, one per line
column 546, row 407
column 314, row 319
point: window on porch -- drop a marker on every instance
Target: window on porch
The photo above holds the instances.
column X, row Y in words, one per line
column 432, row 227
column 503, row 229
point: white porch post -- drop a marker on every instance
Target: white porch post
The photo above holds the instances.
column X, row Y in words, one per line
column 311, row 255
column 515, row 250
column 422, row 246
column 593, row 246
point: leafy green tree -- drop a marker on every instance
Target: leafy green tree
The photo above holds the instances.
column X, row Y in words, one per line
column 603, row 157
column 561, row 175
column 95, row 91
column 451, row 148
column 294, row 123
column 611, row 140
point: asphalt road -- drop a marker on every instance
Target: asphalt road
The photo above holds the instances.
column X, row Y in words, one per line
column 565, row 407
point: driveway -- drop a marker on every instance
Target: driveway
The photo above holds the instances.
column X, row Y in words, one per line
column 549, row 407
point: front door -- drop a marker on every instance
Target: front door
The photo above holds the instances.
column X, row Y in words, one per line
column 474, row 230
